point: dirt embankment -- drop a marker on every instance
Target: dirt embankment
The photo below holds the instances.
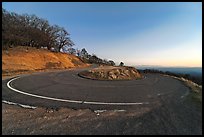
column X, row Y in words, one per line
column 27, row 59
column 112, row 73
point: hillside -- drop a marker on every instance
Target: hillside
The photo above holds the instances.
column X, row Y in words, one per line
column 22, row 60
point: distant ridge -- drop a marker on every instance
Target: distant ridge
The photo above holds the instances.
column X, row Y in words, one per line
column 194, row 71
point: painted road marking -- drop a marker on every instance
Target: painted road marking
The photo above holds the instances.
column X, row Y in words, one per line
column 24, row 106
column 70, row 101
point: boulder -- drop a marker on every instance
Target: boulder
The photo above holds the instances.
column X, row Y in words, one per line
column 113, row 73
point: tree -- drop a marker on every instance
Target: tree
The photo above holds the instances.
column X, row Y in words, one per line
column 30, row 30
column 78, row 52
column 94, row 59
column 63, row 39
column 72, row 51
column 105, row 61
column 121, row 64
column 84, row 53
column 112, row 63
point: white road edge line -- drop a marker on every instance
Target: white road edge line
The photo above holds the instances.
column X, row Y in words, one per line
column 70, row 101
column 21, row 105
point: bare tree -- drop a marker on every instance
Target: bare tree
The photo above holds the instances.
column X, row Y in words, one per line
column 63, row 39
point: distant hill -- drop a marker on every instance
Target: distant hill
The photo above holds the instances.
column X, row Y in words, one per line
column 191, row 73
column 194, row 71
column 27, row 59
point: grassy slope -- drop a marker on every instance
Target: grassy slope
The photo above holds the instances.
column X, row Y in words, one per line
column 20, row 60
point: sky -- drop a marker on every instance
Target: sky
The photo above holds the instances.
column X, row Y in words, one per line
column 136, row 33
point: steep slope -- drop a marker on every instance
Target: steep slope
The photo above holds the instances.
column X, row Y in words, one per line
column 20, row 60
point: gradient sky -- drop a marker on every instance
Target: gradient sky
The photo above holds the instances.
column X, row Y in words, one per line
column 165, row 34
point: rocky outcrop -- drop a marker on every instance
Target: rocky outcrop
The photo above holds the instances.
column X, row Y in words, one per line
column 112, row 73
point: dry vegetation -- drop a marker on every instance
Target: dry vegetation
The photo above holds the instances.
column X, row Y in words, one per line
column 196, row 89
column 21, row 60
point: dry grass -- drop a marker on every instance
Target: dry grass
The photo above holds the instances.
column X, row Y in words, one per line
column 21, row 59
column 196, row 89
column 196, row 93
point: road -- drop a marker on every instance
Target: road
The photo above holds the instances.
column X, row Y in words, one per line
column 154, row 105
column 67, row 89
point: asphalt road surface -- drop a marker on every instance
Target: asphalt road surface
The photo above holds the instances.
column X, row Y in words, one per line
column 67, row 89
column 154, row 105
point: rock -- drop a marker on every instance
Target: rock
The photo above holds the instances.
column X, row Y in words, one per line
column 110, row 73
column 113, row 76
column 91, row 71
column 127, row 73
column 114, row 73
column 110, row 78
column 101, row 74
column 133, row 72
